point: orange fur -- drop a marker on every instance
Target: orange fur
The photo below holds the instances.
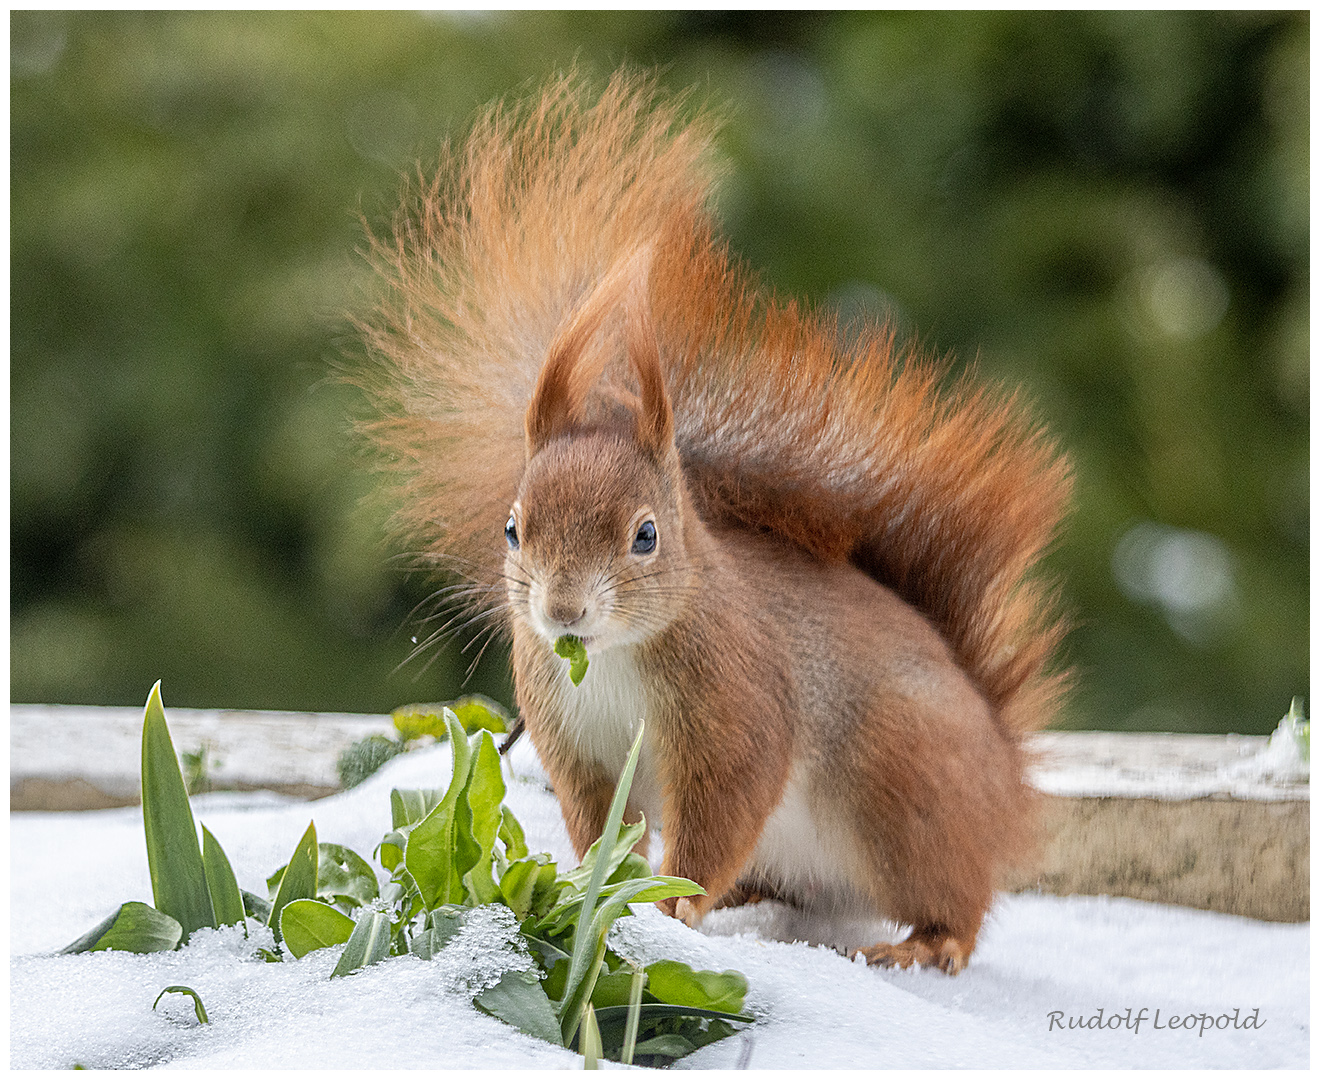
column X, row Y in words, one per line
column 565, row 336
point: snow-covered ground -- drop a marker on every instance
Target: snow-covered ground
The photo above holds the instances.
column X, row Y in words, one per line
column 1050, row 984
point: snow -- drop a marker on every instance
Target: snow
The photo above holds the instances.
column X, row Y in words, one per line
column 1042, row 963
column 1145, row 765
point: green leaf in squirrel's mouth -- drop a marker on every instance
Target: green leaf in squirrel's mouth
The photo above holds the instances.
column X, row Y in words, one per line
column 572, row 650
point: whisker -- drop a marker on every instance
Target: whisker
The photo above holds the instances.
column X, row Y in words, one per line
column 490, row 636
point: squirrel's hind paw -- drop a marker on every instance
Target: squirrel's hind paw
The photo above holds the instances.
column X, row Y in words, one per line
column 923, row 949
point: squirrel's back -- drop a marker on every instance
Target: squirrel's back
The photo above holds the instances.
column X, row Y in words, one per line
column 854, row 453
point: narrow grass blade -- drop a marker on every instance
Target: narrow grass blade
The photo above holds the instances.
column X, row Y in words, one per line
column 590, row 1040
column 588, row 952
column 579, row 877
column 634, row 1014
column 178, row 877
column 299, row 880
column 226, row 898
column 198, row 1007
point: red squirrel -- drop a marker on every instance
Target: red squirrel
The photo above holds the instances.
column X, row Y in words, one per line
column 807, row 565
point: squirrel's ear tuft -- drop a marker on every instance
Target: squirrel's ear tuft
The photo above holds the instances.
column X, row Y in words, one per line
column 655, row 416
column 573, row 365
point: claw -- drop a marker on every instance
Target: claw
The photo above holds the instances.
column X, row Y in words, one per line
column 944, row 952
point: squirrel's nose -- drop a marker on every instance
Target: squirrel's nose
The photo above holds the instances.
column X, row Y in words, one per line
column 566, row 612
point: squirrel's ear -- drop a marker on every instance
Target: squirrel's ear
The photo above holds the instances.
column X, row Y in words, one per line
column 655, row 416
column 572, row 366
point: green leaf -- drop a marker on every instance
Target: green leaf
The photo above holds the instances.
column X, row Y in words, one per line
column 639, row 890
column 619, row 854
column 519, row 999
column 632, row 866
column 256, row 906
column 611, row 989
column 458, row 835
column 1300, row 727
column 475, row 712
column 408, row 806
column 512, row 836
column 483, row 796
column 417, row 720
column 652, row 1011
column 345, row 876
column 306, row 925
column 714, row 1031
column 365, row 757
column 670, row 1046
column 678, row 984
column 273, row 881
column 550, row 955
column 369, row 943
column 198, row 1007
column 588, row 941
column 429, row 851
column 134, row 927
column 390, row 849
column 440, row 927
column 628, row 892
column 525, row 881
column 298, row 882
column 572, row 650
column 226, row 898
column 178, row 878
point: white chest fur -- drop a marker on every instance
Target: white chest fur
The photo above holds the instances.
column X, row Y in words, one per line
column 601, row 716
column 809, row 853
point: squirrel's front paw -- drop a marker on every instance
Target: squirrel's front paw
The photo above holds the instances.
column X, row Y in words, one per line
column 681, row 907
column 688, row 911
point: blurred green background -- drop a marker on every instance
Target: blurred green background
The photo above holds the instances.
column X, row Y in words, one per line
column 1110, row 209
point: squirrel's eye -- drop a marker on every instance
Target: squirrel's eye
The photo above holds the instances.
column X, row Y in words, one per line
column 511, row 533
column 644, row 542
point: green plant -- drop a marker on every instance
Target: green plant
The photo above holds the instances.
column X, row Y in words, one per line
column 413, row 722
column 448, row 852
column 189, row 890
column 198, row 1007
column 453, row 850
column 197, row 766
column 572, row 650
column 1299, row 727
column 475, row 712
column 364, row 757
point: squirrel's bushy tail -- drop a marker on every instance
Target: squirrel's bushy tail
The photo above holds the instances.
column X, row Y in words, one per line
column 855, row 453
